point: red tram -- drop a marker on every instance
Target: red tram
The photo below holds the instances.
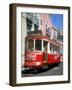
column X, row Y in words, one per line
column 41, row 51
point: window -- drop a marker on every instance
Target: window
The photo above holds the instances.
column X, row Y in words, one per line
column 48, row 32
column 54, row 49
column 46, row 27
column 31, row 45
column 45, row 44
column 38, row 44
column 35, row 27
column 55, row 35
column 41, row 22
column 29, row 24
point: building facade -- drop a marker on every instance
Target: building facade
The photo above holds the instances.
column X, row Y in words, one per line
column 40, row 22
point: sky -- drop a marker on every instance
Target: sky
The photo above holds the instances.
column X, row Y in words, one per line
column 57, row 21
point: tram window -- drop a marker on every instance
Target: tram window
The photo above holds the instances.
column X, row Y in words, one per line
column 54, row 48
column 31, row 45
column 38, row 44
column 45, row 45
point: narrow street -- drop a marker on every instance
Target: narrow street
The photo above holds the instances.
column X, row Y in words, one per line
column 48, row 71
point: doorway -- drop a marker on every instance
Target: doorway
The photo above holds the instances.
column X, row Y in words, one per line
column 45, row 46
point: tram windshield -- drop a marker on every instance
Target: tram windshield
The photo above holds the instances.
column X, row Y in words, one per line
column 33, row 45
column 29, row 45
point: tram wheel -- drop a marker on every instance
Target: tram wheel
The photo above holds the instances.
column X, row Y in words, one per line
column 58, row 63
column 35, row 71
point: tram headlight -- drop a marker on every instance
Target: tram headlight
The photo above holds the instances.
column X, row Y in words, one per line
column 38, row 63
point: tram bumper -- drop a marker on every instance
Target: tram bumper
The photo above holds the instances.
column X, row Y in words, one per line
column 33, row 64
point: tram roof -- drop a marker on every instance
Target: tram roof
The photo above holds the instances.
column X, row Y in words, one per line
column 45, row 38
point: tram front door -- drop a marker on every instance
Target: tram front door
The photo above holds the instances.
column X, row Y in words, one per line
column 45, row 45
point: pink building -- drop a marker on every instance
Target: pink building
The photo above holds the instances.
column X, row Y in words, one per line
column 45, row 22
column 39, row 21
column 45, row 25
